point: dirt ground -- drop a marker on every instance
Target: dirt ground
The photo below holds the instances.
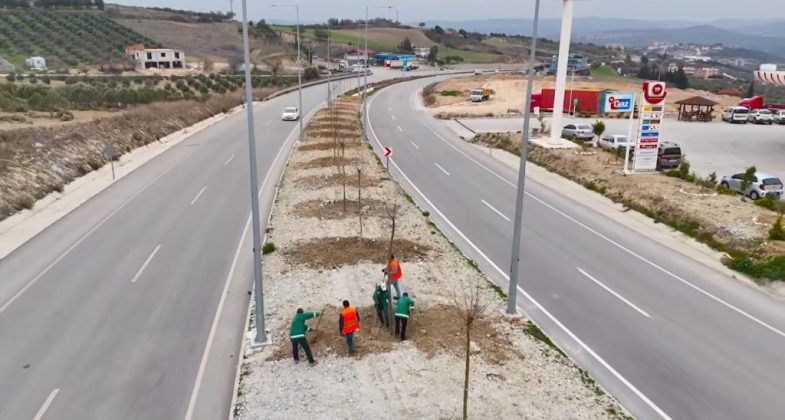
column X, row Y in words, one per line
column 320, row 262
column 509, row 91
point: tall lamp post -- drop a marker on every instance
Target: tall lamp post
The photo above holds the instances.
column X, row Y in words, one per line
column 365, row 64
column 561, row 69
column 261, row 335
column 512, row 291
column 299, row 66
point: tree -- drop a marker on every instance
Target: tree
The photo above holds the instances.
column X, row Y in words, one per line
column 462, row 33
column 644, row 72
column 681, row 80
column 470, row 306
column 747, row 177
column 751, row 90
column 644, row 59
column 438, row 29
column 406, row 46
column 99, row 4
column 360, row 197
column 433, row 54
column 598, row 128
column 421, row 24
column 275, row 66
column 310, row 73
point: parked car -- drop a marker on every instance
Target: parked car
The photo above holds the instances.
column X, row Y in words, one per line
column 778, row 116
column 615, row 142
column 735, row 114
column 668, row 155
column 577, row 132
column 290, row 114
column 761, row 185
column 760, row 116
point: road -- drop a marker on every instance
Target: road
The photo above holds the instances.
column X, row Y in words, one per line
column 666, row 335
column 718, row 147
column 133, row 305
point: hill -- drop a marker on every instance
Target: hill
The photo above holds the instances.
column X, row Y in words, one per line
column 66, row 38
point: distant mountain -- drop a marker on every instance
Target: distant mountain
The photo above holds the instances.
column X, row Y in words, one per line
column 699, row 34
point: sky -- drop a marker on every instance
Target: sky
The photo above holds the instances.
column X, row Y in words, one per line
column 412, row 11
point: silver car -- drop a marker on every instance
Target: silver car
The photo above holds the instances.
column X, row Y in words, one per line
column 762, row 185
column 779, row 116
column 577, row 132
column 760, row 116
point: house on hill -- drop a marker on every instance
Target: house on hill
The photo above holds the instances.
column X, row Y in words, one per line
column 155, row 58
column 36, row 63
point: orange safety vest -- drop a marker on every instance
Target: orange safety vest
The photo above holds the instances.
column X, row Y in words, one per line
column 350, row 322
column 398, row 272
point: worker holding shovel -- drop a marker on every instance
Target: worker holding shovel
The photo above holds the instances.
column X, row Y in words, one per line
column 297, row 335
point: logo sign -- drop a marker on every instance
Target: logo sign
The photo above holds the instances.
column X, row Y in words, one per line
column 654, row 92
column 387, row 152
column 618, row 102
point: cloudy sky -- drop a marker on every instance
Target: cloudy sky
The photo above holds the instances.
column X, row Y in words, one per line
column 416, row 10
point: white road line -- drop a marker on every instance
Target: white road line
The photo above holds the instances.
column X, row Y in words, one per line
column 575, row 338
column 497, row 211
column 199, row 194
column 609, row 290
column 415, row 145
column 80, row 240
column 268, row 122
column 443, row 170
column 146, row 262
column 400, row 129
column 41, row 411
column 618, row 245
column 229, row 160
column 392, row 116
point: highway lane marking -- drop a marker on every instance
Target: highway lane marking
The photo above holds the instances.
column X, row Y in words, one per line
column 211, row 336
column 229, row 160
column 443, row 170
column 41, row 411
column 400, row 129
column 609, row 290
column 268, row 122
column 618, row 245
column 146, row 262
column 497, row 211
column 553, row 319
column 415, row 145
column 392, row 116
column 199, row 194
column 81, row 239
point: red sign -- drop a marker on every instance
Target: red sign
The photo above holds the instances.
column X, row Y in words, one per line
column 654, row 92
column 387, row 152
column 647, row 146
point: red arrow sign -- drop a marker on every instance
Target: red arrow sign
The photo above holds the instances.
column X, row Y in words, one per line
column 387, row 152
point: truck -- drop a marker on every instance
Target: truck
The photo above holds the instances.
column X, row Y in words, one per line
column 759, row 102
column 480, row 94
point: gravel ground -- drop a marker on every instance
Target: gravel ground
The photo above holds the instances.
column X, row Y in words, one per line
column 415, row 378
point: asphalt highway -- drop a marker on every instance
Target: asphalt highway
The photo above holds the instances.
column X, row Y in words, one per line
column 668, row 336
column 133, row 305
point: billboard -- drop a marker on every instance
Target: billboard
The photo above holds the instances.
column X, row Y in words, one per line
column 613, row 102
column 652, row 112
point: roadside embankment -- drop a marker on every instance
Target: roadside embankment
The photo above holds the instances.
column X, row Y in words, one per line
column 331, row 228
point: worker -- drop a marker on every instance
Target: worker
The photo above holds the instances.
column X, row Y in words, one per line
column 402, row 312
column 297, row 335
column 381, row 299
column 348, row 323
column 394, row 273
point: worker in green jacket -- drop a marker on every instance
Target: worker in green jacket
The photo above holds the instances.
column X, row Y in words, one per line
column 402, row 312
column 381, row 299
column 297, row 334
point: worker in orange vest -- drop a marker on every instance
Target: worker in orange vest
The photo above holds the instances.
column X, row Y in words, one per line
column 348, row 323
column 394, row 273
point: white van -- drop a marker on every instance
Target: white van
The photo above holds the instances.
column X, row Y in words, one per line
column 736, row 114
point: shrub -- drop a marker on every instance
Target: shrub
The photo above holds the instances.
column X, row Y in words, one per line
column 451, row 93
column 777, row 233
column 268, row 248
column 767, row 203
column 10, row 77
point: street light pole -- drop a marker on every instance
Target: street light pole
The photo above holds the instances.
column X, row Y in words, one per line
column 299, row 67
column 261, row 335
column 512, row 290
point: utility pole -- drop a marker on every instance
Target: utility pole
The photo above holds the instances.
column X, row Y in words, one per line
column 512, row 290
column 261, row 335
column 329, row 72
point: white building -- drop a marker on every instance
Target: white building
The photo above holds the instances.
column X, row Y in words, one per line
column 422, row 52
column 36, row 63
column 157, row 58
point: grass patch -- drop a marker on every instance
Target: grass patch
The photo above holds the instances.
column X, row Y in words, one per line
column 606, row 71
column 771, row 268
column 451, row 93
column 268, row 248
column 535, row 332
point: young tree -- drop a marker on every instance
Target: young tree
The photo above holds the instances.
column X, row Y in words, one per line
column 360, row 197
column 433, row 54
column 747, row 177
column 406, row 45
column 438, row 29
column 598, row 128
column 470, row 306
column 681, row 80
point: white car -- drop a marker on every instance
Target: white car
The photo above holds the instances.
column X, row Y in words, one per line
column 779, row 116
column 761, row 116
column 290, row 114
column 615, row 142
column 761, row 185
column 735, row 114
column 582, row 132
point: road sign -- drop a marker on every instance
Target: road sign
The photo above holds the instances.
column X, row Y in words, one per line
column 618, row 102
column 652, row 112
column 387, row 152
